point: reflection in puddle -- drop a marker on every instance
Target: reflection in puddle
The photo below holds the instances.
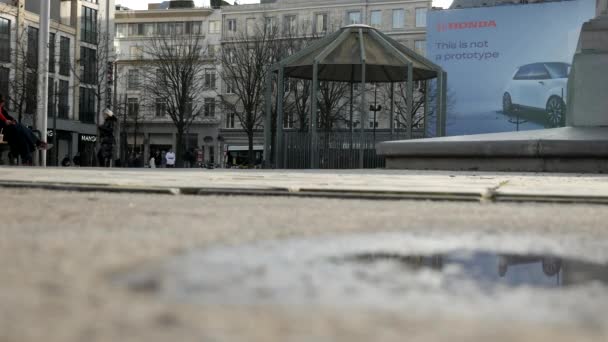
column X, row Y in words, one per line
column 490, row 269
column 482, row 277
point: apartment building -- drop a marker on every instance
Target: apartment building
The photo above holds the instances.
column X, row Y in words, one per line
column 405, row 21
column 74, row 48
column 149, row 129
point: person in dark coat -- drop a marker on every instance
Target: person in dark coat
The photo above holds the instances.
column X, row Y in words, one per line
column 21, row 140
column 106, row 138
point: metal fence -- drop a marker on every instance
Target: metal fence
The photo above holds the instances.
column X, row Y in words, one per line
column 336, row 150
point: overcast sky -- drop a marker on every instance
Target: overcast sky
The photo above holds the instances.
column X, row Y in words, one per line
column 143, row 4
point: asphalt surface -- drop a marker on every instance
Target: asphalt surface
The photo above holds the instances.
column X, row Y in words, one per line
column 61, row 251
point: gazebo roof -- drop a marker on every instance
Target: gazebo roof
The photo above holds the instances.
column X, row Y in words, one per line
column 340, row 55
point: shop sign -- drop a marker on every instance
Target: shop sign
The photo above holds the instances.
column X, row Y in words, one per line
column 88, row 138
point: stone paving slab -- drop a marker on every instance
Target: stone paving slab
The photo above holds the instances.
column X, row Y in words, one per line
column 60, row 249
column 387, row 184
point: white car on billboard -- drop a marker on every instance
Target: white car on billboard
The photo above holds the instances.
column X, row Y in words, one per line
column 539, row 86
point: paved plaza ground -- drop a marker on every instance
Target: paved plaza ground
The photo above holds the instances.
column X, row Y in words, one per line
column 65, row 233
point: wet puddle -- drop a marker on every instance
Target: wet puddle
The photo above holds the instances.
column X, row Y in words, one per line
column 514, row 278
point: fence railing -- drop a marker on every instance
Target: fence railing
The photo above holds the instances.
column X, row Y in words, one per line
column 336, row 150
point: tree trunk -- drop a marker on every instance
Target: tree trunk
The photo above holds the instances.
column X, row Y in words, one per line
column 251, row 153
column 179, row 148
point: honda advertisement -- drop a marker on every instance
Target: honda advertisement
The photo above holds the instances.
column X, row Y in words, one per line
column 507, row 65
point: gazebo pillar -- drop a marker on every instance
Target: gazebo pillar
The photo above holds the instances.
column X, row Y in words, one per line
column 363, row 102
column 427, row 92
column 392, row 110
column 439, row 107
column 268, row 119
column 313, row 116
column 280, row 98
column 410, row 100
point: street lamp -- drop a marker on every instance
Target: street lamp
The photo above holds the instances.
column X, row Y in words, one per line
column 43, row 86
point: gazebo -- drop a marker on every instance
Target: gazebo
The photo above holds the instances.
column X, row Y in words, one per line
column 354, row 54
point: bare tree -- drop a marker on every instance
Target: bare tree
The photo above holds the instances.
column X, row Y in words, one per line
column 401, row 116
column 246, row 58
column 332, row 104
column 130, row 117
column 175, row 80
column 23, row 85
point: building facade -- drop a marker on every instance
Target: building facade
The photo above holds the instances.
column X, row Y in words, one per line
column 148, row 128
column 219, row 137
column 76, row 96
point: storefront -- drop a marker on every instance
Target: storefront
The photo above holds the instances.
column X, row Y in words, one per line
column 62, row 146
column 239, row 155
column 87, row 147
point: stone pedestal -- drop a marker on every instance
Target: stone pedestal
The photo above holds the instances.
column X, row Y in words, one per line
column 587, row 100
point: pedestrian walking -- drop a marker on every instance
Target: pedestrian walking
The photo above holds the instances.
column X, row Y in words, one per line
column 106, row 137
column 152, row 163
column 170, row 156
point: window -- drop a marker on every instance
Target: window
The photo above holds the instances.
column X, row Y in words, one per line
column 161, row 107
column 88, row 66
column 230, row 120
column 398, row 18
column 87, row 105
column 161, row 79
column 133, row 79
column 288, row 120
column 421, row 17
column 290, row 24
column 251, row 27
column 5, row 40
column 64, row 56
column 63, row 110
column 420, row 47
column 189, row 106
column 354, row 17
column 229, row 88
column 32, row 47
column 193, row 27
column 376, row 19
column 50, row 104
column 52, row 58
column 209, row 78
column 558, row 70
column 232, row 25
column 4, row 74
column 132, row 107
column 162, row 29
column 209, row 107
column 214, row 26
column 31, row 83
column 538, row 72
column 136, row 52
column 121, row 30
column 88, row 28
column 149, row 29
column 134, row 30
column 321, row 22
column 522, row 73
column 270, row 24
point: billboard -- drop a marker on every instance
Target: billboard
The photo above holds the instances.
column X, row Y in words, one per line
column 507, row 65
